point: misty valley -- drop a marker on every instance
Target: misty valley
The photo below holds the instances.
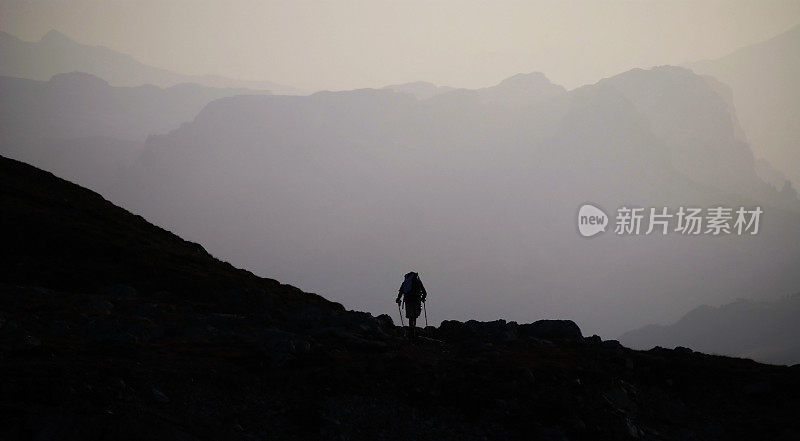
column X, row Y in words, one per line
column 198, row 257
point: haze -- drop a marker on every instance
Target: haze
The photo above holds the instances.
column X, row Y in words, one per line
column 201, row 119
column 353, row 44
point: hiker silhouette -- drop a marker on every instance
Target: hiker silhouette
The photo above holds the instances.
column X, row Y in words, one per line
column 411, row 293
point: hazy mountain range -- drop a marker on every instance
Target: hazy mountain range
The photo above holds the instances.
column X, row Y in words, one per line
column 342, row 192
column 762, row 330
column 79, row 104
column 56, row 53
column 339, row 192
column 763, row 78
column 80, row 127
column 420, row 89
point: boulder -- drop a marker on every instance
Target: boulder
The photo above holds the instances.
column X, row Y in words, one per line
column 385, row 322
column 159, row 397
column 454, row 330
column 566, row 329
column 495, row 331
column 118, row 290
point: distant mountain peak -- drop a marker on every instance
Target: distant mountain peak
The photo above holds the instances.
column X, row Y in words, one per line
column 421, row 89
column 78, row 80
column 521, row 89
column 54, row 36
column 526, row 80
column 35, row 60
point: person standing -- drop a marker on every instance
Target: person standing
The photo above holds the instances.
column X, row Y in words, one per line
column 412, row 293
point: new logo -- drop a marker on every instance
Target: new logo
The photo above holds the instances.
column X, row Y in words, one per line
column 591, row 220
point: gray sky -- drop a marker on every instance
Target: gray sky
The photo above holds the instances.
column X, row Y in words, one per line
column 351, row 44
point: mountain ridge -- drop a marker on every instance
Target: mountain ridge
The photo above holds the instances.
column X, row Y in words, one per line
column 765, row 94
column 762, row 330
column 361, row 155
column 56, row 53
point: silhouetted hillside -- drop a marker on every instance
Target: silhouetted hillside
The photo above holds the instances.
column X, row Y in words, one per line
column 61, row 236
column 762, row 330
column 56, row 53
column 111, row 328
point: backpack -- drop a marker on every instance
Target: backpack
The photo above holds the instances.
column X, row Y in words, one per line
column 411, row 287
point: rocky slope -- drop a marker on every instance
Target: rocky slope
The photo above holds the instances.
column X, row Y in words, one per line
column 111, row 328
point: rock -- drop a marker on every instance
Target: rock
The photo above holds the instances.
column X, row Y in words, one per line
column 110, row 330
column 788, row 435
column 632, row 430
column 566, row 329
column 454, row 330
column 492, row 328
column 60, row 328
column 200, row 331
column 18, row 339
column 351, row 341
column 594, row 339
column 162, row 295
column 225, row 321
column 159, row 396
column 52, row 427
column 758, row 388
column 541, row 341
column 144, row 309
column 118, row 290
column 29, row 341
column 614, row 345
column 281, row 347
column 576, row 423
column 385, row 322
column 99, row 304
column 550, row 434
column 525, row 375
column 618, row 398
column 494, row 331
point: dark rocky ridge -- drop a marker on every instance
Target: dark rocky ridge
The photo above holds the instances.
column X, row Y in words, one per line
column 111, row 328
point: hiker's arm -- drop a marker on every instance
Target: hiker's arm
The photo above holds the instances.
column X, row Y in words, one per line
column 399, row 295
column 424, row 293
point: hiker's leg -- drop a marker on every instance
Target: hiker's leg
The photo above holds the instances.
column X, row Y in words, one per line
column 412, row 324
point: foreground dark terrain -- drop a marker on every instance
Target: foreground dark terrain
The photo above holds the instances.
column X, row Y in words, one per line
column 114, row 329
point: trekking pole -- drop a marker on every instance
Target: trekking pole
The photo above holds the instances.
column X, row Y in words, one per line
column 426, row 314
column 399, row 311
